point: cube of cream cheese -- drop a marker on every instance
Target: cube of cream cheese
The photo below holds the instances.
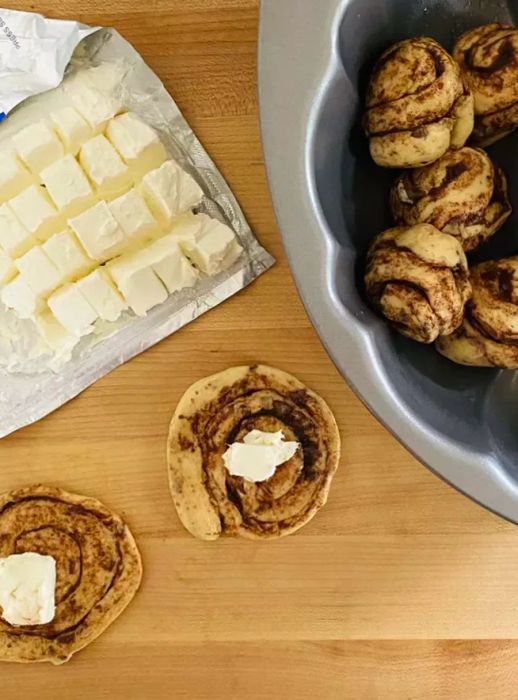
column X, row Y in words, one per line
column 137, row 142
column 170, row 191
column 137, row 282
column 95, row 107
column 53, row 333
column 14, row 177
column 68, row 256
column 133, row 216
column 170, row 264
column 72, row 310
column 71, row 128
column 14, row 237
column 209, row 244
column 27, row 588
column 99, row 232
column 18, row 295
column 7, row 268
column 104, row 167
column 99, row 290
column 68, row 186
column 39, row 271
column 36, row 212
column 38, row 146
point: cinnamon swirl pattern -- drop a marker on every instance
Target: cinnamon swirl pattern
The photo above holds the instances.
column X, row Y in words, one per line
column 418, row 279
column 488, row 57
column 97, row 564
column 462, row 194
column 222, row 409
column 488, row 336
column 417, row 105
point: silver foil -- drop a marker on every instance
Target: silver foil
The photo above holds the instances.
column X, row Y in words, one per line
column 28, row 395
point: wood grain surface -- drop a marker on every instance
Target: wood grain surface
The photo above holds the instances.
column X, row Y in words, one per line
column 399, row 588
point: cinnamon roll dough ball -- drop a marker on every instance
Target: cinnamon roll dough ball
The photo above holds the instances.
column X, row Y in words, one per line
column 462, row 194
column 488, row 57
column 417, row 105
column 418, row 279
column 488, row 336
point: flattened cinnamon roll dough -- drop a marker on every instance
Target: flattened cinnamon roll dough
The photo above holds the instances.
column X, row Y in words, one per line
column 220, row 410
column 98, row 569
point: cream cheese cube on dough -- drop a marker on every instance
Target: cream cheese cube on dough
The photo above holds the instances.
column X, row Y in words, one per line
column 170, row 191
column 104, row 167
column 36, row 212
column 7, row 268
column 133, row 216
column 71, row 128
column 95, row 107
column 137, row 142
column 99, row 290
column 20, row 297
column 137, row 282
column 170, row 264
column 38, row 146
column 14, row 177
column 72, row 310
column 39, row 271
column 14, row 237
column 99, row 232
column 68, row 186
column 68, row 256
column 209, row 244
column 27, row 588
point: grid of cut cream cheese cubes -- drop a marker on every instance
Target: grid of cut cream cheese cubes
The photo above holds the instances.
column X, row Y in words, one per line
column 95, row 218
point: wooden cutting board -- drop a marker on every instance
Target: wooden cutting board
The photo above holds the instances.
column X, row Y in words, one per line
column 400, row 587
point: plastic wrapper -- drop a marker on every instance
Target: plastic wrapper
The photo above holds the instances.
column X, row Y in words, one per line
column 33, row 381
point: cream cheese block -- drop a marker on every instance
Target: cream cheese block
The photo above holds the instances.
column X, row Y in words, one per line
column 72, row 310
column 38, row 146
column 95, row 107
column 133, row 216
column 99, row 232
column 170, row 191
column 15, row 239
column 170, row 264
column 138, row 144
column 39, row 272
column 14, row 177
column 34, row 208
column 100, row 292
column 137, row 282
column 64, row 250
column 95, row 219
column 52, row 332
column 105, row 168
column 71, row 127
column 7, row 268
column 68, row 186
column 209, row 244
column 20, row 297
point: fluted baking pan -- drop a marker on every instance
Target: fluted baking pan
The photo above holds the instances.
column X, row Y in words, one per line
column 330, row 200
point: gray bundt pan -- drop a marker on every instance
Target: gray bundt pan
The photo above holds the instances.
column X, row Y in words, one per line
column 330, row 200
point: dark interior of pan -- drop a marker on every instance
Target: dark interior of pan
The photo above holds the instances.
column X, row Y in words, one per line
column 331, row 200
column 476, row 406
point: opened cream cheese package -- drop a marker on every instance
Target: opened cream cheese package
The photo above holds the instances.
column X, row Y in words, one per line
column 116, row 228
